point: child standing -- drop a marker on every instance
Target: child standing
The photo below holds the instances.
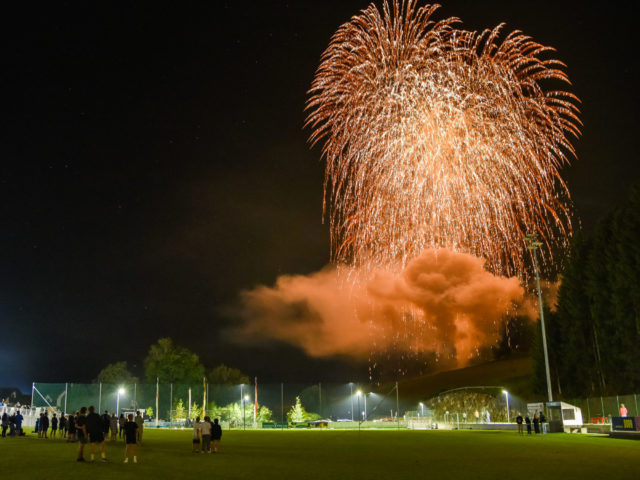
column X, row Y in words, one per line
column 130, row 437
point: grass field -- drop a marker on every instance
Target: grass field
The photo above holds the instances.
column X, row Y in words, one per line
column 336, row 454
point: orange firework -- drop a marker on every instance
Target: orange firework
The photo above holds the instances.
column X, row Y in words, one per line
column 440, row 137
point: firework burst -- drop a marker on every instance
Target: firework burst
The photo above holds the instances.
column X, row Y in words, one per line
column 440, row 137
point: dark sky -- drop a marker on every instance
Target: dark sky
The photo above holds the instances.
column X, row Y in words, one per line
column 154, row 165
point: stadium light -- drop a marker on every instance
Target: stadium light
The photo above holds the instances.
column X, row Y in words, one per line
column 120, row 392
column 507, row 394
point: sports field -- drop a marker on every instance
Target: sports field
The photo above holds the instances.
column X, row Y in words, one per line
column 336, row 454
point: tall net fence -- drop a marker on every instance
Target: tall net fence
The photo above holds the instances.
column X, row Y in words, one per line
column 285, row 405
column 237, row 406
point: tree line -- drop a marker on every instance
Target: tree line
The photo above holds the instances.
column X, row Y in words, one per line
column 170, row 363
column 594, row 333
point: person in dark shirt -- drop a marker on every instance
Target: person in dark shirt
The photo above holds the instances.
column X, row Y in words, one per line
column 44, row 424
column 72, row 428
column 121, row 422
column 95, row 429
column 80, row 428
column 54, row 426
column 106, row 421
column 5, row 424
column 130, row 437
column 527, row 420
column 216, row 435
column 519, row 421
column 63, row 425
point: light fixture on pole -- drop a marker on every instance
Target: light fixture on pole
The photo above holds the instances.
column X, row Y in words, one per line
column 532, row 244
column 507, row 394
column 120, row 392
column 365, row 406
column 351, row 396
column 245, row 399
column 358, row 393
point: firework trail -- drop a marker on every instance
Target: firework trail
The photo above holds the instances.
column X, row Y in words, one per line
column 436, row 137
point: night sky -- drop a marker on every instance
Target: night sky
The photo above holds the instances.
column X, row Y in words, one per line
column 155, row 165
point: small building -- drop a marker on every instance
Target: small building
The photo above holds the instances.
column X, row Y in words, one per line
column 564, row 417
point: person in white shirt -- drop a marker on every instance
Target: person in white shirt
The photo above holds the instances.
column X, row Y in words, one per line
column 197, row 435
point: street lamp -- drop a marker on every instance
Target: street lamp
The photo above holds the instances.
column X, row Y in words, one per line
column 358, row 393
column 532, row 244
column 351, row 386
column 244, row 400
column 507, row 394
column 120, row 392
column 365, row 406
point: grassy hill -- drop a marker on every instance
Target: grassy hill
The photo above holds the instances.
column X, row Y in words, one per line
column 514, row 374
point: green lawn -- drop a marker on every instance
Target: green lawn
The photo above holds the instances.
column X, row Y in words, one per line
column 337, row 454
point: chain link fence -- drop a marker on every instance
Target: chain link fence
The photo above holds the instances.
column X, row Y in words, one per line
column 281, row 405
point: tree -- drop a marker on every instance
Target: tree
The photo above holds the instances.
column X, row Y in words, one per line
column 297, row 413
column 172, row 364
column 116, row 373
column 598, row 318
column 223, row 375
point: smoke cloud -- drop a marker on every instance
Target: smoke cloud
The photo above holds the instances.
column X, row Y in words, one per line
column 443, row 301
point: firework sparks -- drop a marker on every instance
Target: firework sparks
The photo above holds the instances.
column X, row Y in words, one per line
column 437, row 137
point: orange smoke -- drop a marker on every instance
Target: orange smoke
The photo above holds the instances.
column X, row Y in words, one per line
column 443, row 301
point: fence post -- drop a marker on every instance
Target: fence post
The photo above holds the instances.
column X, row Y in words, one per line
column 171, row 406
column 618, row 404
column 588, row 410
column 282, row 405
column 66, row 393
column 135, row 397
column 33, row 386
column 602, row 406
column 100, row 398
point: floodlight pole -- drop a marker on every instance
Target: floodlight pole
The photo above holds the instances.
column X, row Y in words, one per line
column 533, row 244
column 351, row 386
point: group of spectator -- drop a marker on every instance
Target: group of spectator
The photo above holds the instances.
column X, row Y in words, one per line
column 12, row 422
column 206, row 435
column 93, row 428
column 539, row 423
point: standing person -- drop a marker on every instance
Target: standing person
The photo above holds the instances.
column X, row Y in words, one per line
column 543, row 423
column 72, row 427
column 476, row 415
column 95, row 429
column 113, row 426
column 106, row 423
column 130, row 437
column 54, row 426
column 5, row 424
column 206, row 435
column 63, row 425
column 121, row 422
column 623, row 410
column 197, row 435
column 18, row 423
column 519, row 422
column 527, row 420
column 44, row 424
column 216, row 435
column 80, row 429
column 536, row 423
column 140, row 423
